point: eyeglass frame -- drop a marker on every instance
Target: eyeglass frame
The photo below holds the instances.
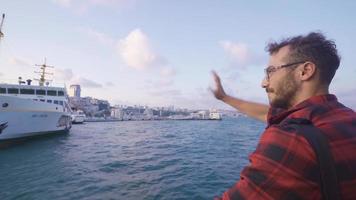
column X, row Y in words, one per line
column 270, row 69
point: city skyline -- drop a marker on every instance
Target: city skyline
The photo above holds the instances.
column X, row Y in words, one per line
column 160, row 53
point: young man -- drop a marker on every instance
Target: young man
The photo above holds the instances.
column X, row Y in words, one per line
column 285, row 165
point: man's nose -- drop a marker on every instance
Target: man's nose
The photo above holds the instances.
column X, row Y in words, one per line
column 264, row 82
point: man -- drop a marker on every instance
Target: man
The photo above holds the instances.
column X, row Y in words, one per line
column 285, row 165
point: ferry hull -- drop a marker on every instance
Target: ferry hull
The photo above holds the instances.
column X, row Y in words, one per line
column 25, row 118
column 16, row 125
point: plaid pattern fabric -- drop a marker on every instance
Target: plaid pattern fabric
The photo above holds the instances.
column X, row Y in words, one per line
column 284, row 165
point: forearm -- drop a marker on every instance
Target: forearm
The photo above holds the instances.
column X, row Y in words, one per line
column 256, row 110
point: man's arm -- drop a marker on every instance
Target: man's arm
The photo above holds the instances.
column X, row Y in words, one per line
column 252, row 109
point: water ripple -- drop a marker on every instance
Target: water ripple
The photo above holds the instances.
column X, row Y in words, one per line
column 130, row 160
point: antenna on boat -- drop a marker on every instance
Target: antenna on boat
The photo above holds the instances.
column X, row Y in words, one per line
column 43, row 74
column 2, row 22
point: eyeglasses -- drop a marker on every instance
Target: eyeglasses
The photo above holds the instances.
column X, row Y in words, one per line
column 270, row 69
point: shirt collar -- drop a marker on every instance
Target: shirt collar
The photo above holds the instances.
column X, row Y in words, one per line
column 276, row 115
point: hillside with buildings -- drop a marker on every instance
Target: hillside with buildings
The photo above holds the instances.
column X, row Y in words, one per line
column 98, row 108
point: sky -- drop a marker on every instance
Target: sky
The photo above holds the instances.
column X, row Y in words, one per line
column 161, row 53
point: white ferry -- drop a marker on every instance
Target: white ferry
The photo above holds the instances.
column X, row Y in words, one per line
column 29, row 110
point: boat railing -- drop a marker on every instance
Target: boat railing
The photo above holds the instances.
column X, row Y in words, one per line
column 33, row 82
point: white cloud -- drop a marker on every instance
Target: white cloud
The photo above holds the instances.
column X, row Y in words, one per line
column 65, row 3
column 240, row 55
column 158, row 84
column 203, row 98
column 166, row 93
column 67, row 76
column 106, row 2
column 136, row 51
column 241, row 61
column 165, row 80
column 1, row 74
column 236, row 51
column 100, row 37
column 109, row 84
column 63, row 74
column 168, row 72
column 19, row 62
column 83, row 6
column 86, row 83
column 199, row 98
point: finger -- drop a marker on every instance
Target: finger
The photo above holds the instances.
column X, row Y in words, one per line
column 216, row 76
column 217, row 81
column 213, row 72
column 214, row 92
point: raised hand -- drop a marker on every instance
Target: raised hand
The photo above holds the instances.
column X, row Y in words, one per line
column 218, row 91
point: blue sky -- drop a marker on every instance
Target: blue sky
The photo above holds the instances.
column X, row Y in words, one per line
column 160, row 53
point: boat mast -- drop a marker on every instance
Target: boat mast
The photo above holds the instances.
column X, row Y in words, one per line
column 2, row 22
column 43, row 73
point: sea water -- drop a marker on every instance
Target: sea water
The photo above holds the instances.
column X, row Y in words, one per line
column 130, row 160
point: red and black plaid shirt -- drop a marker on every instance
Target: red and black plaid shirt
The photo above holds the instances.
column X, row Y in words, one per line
column 284, row 165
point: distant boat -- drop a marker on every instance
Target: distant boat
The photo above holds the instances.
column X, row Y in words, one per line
column 215, row 116
column 78, row 117
column 29, row 110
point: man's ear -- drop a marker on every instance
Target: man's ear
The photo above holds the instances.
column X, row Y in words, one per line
column 307, row 71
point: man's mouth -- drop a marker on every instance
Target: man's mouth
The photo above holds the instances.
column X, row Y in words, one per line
column 269, row 90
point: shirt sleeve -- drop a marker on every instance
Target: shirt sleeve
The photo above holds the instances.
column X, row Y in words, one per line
column 283, row 166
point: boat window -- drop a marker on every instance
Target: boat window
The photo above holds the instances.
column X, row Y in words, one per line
column 51, row 93
column 55, row 102
column 27, row 91
column 42, row 100
column 41, row 92
column 60, row 93
column 13, row 90
column 61, row 103
column 49, row 101
column 2, row 90
column 35, row 99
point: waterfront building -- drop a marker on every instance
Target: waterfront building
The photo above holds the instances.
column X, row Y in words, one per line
column 74, row 91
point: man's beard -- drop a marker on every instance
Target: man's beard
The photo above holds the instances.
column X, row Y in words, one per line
column 284, row 93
